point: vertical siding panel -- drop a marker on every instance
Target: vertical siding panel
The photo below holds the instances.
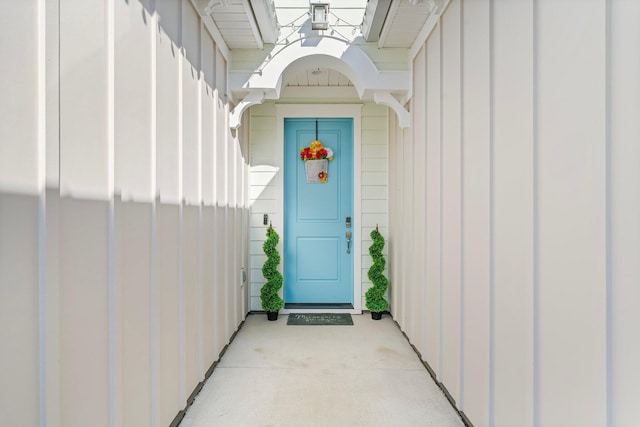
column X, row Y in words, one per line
column 51, row 364
column 191, row 196
column 226, row 270
column 132, row 103
column 408, row 281
column 237, row 276
column 419, row 197
column 19, row 213
column 401, row 262
column 476, row 204
column 513, row 211
column 220, row 298
column 19, row 307
column 232, row 237
column 228, row 226
column 133, row 169
column 217, row 338
column 207, row 160
column 133, row 264
column 400, row 234
column 401, row 252
column 221, row 203
column 85, row 213
column 52, row 346
column 18, row 170
column 167, row 240
column 167, row 180
column 451, row 185
column 190, row 107
column 243, row 247
column 83, row 64
column 167, row 212
column 625, row 211
column 221, row 75
column 190, row 298
column 394, row 212
column 207, row 123
column 433, row 197
column 234, row 283
column 245, row 215
column 208, row 283
column 572, row 242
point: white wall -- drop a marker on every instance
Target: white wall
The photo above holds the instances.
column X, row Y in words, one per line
column 120, row 194
column 524, row 115
column 265, row 183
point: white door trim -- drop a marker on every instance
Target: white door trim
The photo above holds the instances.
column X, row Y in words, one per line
column 353, row 111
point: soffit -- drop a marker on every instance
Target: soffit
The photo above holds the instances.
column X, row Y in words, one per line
column 242, row 24
column 404, row 22
column 236, row 26
column 398, row 23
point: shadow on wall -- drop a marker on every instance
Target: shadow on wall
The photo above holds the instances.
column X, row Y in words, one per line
column 122, row 282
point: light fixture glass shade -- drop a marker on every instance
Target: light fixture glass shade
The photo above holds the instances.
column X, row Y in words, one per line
column 319, row 16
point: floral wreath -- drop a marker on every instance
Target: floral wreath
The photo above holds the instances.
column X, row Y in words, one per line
column 316, row 151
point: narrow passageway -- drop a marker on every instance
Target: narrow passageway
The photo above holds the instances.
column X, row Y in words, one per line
column 274, row 374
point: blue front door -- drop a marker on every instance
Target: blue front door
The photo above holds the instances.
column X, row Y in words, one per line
column 318, row 259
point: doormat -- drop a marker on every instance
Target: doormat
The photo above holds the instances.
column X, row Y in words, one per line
column 320, row 319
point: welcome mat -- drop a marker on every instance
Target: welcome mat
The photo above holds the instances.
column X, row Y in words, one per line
column 320, row 319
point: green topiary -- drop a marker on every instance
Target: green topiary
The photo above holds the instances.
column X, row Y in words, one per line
column 271, row 301
column 375, row 301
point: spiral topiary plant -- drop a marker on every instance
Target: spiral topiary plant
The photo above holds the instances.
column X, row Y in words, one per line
column 271, row 301
column 375, row 301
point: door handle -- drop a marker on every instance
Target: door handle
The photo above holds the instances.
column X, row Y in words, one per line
column 348, row 236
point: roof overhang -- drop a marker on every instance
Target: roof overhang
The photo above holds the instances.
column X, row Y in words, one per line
column 375, row 15
column 397, row 23
column 241, row 24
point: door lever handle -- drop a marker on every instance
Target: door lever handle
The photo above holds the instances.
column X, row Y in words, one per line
column 348, row 236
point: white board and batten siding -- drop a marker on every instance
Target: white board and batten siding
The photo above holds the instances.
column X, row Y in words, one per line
column 121, row 284
column 266, row 183
column 528, row 116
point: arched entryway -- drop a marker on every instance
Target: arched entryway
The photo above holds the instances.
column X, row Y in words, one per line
column 383, row 87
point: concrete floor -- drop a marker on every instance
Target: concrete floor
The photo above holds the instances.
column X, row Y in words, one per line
column 278, row 375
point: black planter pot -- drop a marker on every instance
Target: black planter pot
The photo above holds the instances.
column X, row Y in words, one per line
column 376, row 315
column 272, row 315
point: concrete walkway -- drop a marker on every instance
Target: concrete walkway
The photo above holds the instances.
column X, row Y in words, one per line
column 278, row 375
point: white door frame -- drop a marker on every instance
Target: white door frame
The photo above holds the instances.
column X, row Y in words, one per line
column 312, row 111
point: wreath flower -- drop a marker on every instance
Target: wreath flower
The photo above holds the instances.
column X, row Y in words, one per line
column 316, row 172
column 315, row 151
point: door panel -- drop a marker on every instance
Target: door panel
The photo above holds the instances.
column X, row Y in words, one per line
column 317, row 266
